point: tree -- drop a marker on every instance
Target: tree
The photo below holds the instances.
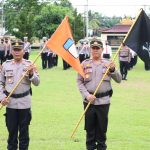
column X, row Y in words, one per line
column 48, row 20
column 77, row 25
column 51, row 16
column 19, row 14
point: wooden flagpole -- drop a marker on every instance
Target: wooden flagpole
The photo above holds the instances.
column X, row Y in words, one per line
column 116, row 54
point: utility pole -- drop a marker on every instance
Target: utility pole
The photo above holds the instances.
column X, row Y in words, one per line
column 87, row 20
column 2, row 17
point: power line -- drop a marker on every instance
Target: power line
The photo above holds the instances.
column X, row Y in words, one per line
column 112, row 5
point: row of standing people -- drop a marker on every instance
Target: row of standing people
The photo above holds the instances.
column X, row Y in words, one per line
column 84, row 51
column 127, row 57
column 6, row 49
column 49, row 58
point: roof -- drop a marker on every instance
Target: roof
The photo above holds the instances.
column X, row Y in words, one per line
column 119, row 28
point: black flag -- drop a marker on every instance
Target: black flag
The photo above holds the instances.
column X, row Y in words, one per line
column 139, row 37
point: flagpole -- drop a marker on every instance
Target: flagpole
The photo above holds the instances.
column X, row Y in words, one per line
column 132, row 25
column 116, row 54
column 23, row 75
column 94, row 94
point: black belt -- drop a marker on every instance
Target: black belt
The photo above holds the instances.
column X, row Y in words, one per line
column 18, row 95
column 107, row 93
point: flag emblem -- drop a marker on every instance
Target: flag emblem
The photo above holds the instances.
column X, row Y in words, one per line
column 70, row 47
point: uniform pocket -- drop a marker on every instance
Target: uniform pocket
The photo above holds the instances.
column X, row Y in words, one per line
column 9, row 76
column 88, row 74
column 88, row 77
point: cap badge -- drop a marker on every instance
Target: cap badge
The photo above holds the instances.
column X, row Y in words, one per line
column 95, row 43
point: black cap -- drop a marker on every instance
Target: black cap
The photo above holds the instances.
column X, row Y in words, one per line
column 17, row 45
column 96, row 43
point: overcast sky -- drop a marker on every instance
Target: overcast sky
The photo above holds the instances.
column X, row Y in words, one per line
column 113, row 7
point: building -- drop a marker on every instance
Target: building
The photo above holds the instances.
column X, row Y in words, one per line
column 117, row 33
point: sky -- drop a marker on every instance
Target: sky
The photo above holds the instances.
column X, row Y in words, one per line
column 113, row 7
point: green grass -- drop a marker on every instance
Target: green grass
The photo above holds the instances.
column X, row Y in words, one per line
column 57, row 106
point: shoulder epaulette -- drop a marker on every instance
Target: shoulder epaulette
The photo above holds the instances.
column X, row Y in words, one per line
column 86, row 60
column 29, row 61
column 9, row 60
column 105, row 60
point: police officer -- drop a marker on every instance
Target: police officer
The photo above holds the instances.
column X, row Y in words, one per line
column 18, row 110
column 27, row 48
column 96, row 117
column 55, row 59
column 44, row 55
column 50, row 58
column 124, row 58
column 83, row 51
column 8, row 54
column 107, row 52
column 2, row 51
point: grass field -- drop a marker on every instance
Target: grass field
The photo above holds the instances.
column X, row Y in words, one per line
column 57, row 106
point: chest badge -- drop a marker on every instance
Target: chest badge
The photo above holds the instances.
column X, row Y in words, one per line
column 88, row 65
column 87, row 76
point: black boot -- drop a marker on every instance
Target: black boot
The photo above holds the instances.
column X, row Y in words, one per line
column 122, row 76
column 125, row 77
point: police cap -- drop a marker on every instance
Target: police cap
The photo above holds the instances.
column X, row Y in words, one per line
column 17, row 45
column 96, row 43
column 44, row 38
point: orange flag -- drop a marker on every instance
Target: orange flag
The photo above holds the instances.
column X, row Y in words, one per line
column 61, row 43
